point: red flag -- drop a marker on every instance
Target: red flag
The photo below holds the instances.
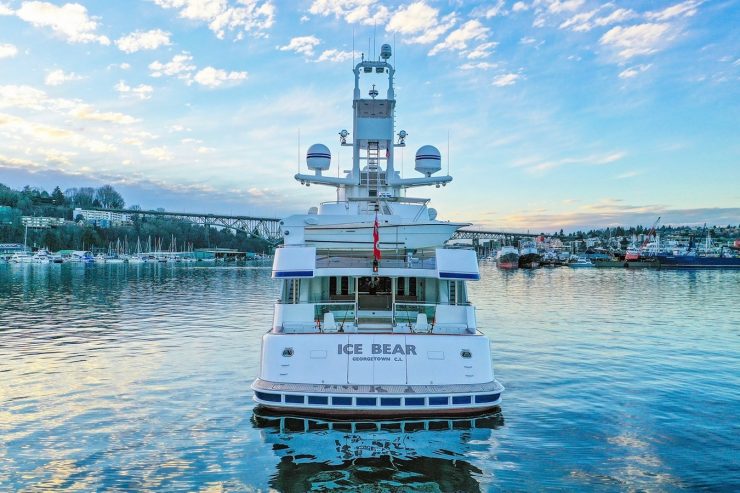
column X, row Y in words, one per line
column 376, row 238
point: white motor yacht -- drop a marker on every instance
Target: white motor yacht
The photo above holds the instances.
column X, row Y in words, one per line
column 373, row 316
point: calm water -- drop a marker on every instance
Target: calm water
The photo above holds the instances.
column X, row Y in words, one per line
column 137, row 378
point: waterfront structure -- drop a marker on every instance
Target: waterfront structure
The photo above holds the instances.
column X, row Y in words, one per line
column 102, row 218
column 42, row 222
column 373, row 316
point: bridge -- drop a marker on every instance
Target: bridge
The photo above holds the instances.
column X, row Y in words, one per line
column 267, row 228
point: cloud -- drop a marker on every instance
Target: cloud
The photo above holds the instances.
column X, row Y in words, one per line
column 536, row 166
column 143, row 40
column 478, row 66
column 142, row 91
column 302, row 44
column 158, row 153
column 180, row 66
column 586, row 21
column 17, row 128
column 459, row 38
column 419, row 23
column 70, row 21
column 483, row 50
column 519, row 7
column 246, row 17
column 335, row 56
column 492, row 11
column 557, row 6
column 611, row 213
column 684, row 9
column 212, row 77
column 633, row 71
column 58, row 77
column 8, row 50
column 87, row 112
column 367, row 12
column 640, row 39
column 506, row 79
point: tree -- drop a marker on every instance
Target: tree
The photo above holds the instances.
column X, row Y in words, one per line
column 109, row 197
column 57, row 197
column 81, row 197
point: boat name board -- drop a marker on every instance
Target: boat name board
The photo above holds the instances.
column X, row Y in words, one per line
column 355, row 349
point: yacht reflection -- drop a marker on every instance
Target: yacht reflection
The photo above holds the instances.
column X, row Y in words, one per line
column 434, row 454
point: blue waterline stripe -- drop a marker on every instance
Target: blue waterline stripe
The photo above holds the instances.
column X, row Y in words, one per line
column 293, row 273
column 373, row 401
column 458, row 275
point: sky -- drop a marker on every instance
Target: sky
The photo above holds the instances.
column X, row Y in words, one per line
column 549, row 114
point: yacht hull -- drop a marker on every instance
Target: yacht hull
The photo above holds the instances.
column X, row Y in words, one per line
column 380, row 374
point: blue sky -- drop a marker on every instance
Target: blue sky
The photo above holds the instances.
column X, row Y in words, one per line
column 560, row 113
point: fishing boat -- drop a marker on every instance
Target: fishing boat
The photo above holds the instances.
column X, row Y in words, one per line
column 373, row 317
column 507, row 257
column 529, row 257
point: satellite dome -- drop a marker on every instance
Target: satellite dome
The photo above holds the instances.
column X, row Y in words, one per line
column 428, row 160
column 385, row 51
column 318, row 158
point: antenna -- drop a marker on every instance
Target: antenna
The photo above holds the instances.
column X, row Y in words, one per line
column 448, row 152
column 375, row 26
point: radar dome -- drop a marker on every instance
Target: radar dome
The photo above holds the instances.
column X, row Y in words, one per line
column 428, row 160
column 385, row 51
column 318, row 158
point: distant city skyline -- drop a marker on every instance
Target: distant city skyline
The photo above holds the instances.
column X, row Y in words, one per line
column 560, row 113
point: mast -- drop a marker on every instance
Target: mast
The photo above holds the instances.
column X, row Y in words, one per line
column 373, row 176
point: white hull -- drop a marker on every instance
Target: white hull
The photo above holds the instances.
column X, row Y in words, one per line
column 377, row 374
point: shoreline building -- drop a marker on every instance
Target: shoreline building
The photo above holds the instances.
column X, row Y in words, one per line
column 104, row 219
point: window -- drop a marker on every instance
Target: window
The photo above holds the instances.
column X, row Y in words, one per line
column 412, row 286
column 414, row 401
column 294, row 399
column 318, row 399
column 366, row 401
column 390, row 401
column 341, row 401
column 439, row 401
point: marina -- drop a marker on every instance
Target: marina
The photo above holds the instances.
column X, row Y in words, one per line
column 227, row 266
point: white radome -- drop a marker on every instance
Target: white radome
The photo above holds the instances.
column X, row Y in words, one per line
column 428, row 160
column 318, row 157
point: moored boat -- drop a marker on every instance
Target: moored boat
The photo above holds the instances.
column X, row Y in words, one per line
column 507, row 257
column 373, row 317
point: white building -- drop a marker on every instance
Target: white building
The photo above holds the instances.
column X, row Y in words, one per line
column 41, row 222
column 102, row 217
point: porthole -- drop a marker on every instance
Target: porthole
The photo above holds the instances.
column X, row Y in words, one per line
column 288, row 352
column 465, row 353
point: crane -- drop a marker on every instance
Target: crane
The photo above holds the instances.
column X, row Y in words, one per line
column 651, row 232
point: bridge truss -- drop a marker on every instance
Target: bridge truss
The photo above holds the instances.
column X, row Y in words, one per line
column 267, row 228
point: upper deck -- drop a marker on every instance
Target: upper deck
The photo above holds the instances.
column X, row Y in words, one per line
column 340, row 291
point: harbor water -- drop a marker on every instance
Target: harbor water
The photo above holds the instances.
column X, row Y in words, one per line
column 136, row 378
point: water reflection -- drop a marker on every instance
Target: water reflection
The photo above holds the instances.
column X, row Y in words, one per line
column 417, row 454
